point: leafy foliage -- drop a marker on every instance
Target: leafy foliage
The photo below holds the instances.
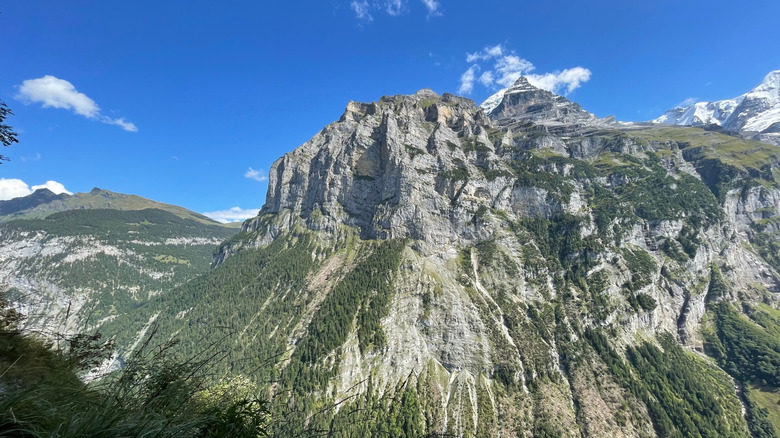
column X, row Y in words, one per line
column 768, row 245
column 661, row 197
column 460, row 173
column 116, row 259
column 7, row 135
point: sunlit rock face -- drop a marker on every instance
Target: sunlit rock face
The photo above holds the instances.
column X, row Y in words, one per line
column 523, row 230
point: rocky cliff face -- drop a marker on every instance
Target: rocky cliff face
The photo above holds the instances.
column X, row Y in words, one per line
column 518, row 241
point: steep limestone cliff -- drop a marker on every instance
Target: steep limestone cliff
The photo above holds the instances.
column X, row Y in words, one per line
column 523, row 245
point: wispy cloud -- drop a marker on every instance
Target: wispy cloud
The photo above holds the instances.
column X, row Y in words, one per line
column 366, row 9
column 235, row 214
column 486, row 78
column 435, row 58
column 433, row 7
column 501, row 67
column 257, row 175
column 467, row 80
column 362, row 10
column 121, row 122
column 485, row 54
column 395, row 7
column 687, row 102
column 53, row 92
column 15, row 188
column 35, row 157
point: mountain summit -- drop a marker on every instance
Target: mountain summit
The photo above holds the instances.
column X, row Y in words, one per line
column 525, row 102
column 756, row 113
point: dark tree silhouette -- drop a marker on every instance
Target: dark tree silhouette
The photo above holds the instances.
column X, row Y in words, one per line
column 7, row 134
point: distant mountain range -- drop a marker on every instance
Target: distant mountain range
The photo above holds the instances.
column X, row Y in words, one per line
column 755, row 114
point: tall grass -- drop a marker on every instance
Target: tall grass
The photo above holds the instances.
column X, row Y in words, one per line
column 153, row 395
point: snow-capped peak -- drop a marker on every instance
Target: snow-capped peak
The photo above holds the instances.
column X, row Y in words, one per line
column 701, row 113
column 770, row 83
column 524, row 101
column 493, row 101
column 520, row 85
column 755, row 111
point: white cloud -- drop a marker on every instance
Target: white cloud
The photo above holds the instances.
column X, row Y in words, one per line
column 365, row 9
column 395, row 7
column 235, row 214
column 486, row 78
column 486, row 53
column 467, row 80
column 433, row 7
column 15, row 188
column 561, row 82
column 54, row 186
column 35, row 157
column 257, row 175
column 362, row 10
column 511, row 67
column 687, row 102
column 121, row 122
column 501, row 67
column 53, row 92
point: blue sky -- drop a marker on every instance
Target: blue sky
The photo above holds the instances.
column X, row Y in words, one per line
column 190, row 102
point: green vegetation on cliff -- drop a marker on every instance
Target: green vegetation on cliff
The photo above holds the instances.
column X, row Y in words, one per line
column 685, row 396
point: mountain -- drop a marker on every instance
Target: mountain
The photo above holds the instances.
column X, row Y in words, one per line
column 37, row 198
column 523, row 101
column 756, row 113
column 43, row 202
column 72, row 262
column 422, row 267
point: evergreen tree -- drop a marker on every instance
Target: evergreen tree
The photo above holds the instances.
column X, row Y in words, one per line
column 7, row 135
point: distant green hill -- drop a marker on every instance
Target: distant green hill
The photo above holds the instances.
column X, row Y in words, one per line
column 43, row 203
column 73, row 262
